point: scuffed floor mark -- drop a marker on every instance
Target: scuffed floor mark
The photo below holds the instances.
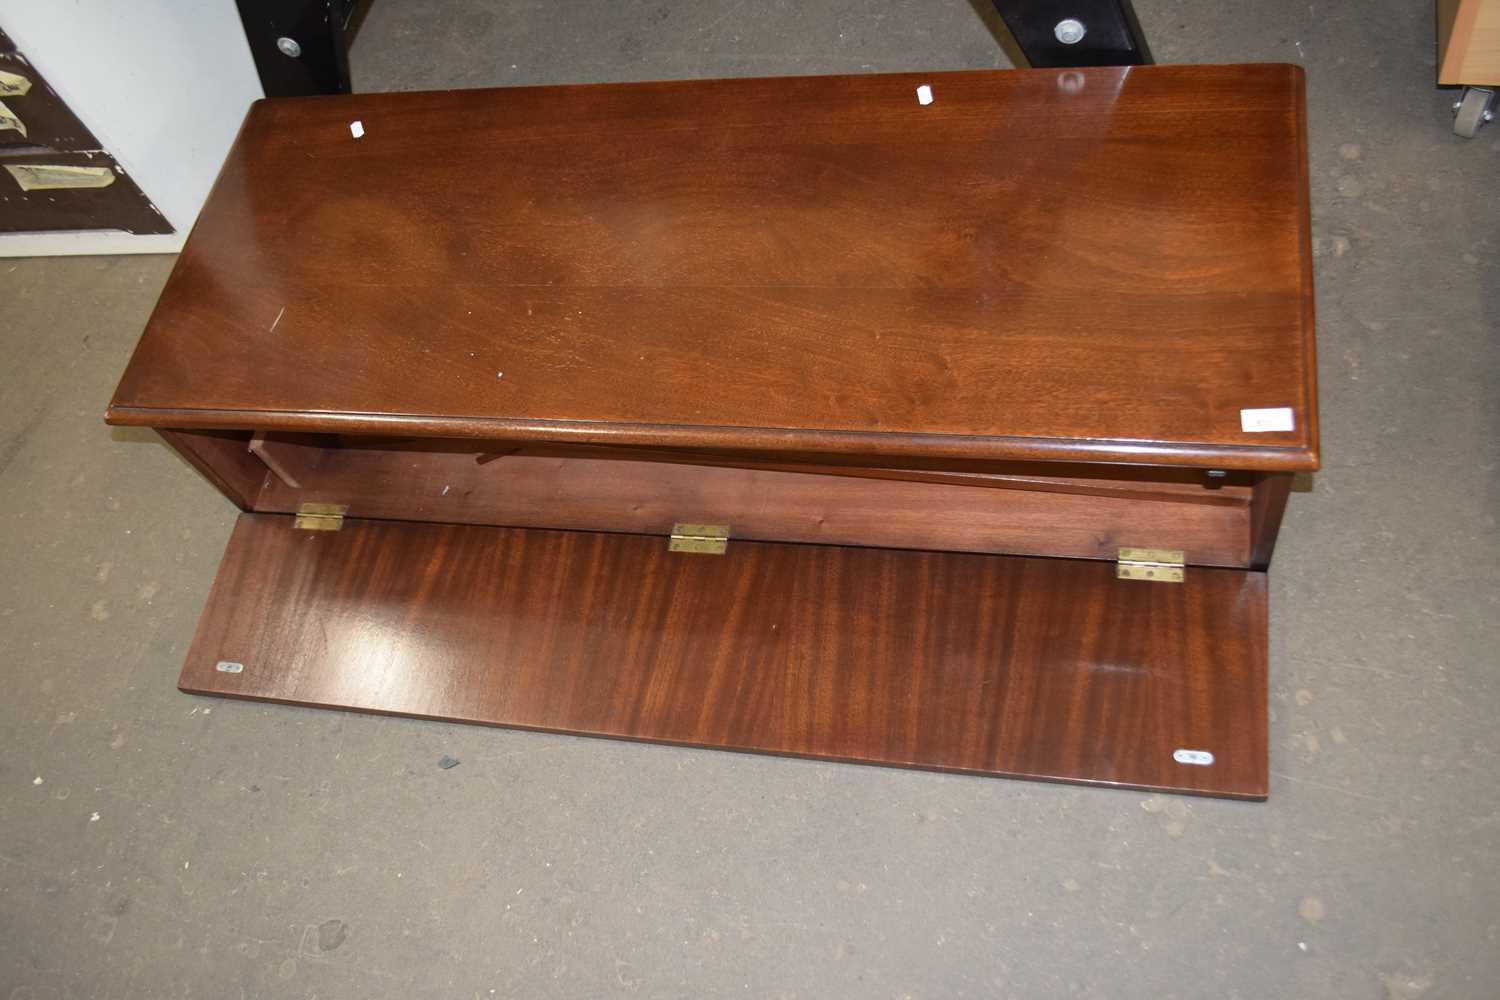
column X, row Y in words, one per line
column 102, row 927
column 11, row 446
column 99, row 611
column 331, row 934
column 1312, row 910
column 62, row 719
column 1400, row 987
column 1174, row 813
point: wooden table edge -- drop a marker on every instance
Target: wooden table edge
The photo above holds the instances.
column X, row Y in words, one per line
column 875, row 444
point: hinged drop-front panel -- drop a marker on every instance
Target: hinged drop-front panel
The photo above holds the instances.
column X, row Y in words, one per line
column 1047, row 668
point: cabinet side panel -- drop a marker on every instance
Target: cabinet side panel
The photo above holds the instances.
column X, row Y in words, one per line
column 224, row 459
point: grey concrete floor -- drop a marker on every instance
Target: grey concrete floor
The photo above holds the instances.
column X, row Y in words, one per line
column 154, row 844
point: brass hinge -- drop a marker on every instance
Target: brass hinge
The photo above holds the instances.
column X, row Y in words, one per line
column 320, row 516
column 705, row 539
column 1160, row 565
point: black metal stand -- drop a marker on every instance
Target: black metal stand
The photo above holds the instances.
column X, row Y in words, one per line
column 299, row 46
column 302, row 46
column 1075, row 32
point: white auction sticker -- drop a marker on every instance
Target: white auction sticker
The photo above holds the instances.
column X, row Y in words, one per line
column 1202, row 758
column 1275, row 418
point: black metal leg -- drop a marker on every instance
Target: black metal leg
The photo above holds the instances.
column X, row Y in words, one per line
column 299, row 46
column 1075, row 32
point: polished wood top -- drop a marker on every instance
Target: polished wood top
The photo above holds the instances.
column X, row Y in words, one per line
column 1093, row 264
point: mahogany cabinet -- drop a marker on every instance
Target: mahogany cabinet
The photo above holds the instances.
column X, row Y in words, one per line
column 785, row 415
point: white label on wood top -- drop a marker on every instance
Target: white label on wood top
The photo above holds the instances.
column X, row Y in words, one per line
column 1275, row 418
column 924, row 94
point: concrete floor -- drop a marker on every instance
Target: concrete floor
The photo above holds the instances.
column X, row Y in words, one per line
column 153, row 844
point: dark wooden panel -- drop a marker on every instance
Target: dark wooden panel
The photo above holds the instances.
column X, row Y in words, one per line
column 608, row 494
column 119, row 205
column 1131, row 482
column 1139, row 482
column 55, row 137
column 49, row 122
column 293, row 462
column 998, row 665
column 224, row 459
column 1267, row 505
column 1109, row 270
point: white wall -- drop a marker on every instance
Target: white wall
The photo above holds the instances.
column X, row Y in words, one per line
column 163, row 84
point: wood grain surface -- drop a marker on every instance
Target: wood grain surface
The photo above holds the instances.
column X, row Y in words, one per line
column 1267, row 505
column 224, row 459
column 601, row 493
column 1133, row 482
column 1099, row 264
column 1043, row 668
column 1468, row 42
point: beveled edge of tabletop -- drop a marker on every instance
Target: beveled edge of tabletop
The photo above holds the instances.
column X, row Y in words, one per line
column 872, row 444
